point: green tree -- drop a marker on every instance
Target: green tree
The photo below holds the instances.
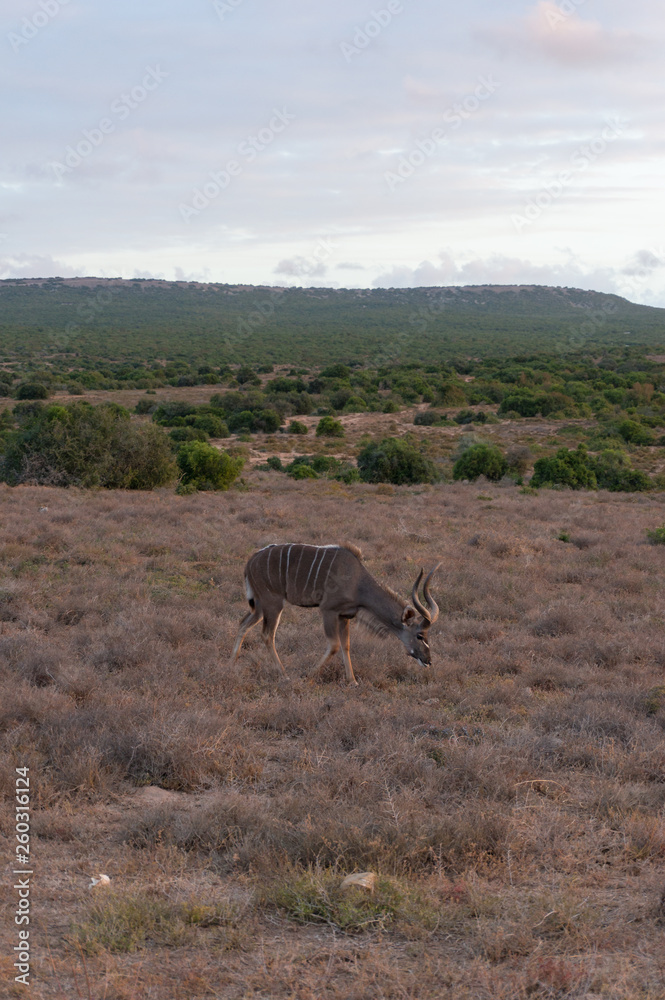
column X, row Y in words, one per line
column 394, row 460
column 635, row 433
column 329, row 427
column 83, row 445
column 202, row 467
column 481, row 460
column 614, row 472
column 565, row 468
column 32, row 390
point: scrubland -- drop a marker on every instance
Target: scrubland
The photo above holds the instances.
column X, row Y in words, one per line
column 510, row 798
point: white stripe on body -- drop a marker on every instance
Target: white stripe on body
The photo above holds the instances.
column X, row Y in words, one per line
column 317, row 575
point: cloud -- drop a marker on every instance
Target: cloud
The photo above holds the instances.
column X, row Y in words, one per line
column 298, row 267
column 349, row 266
column 644, row 262
column 559, row 33
column 499, row 269
column 35, row 266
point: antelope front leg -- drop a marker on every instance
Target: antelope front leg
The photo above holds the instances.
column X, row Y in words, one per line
column 331, row 628
column 344, row 631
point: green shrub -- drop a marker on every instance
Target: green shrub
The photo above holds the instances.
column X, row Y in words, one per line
column 170, row 414
column 211, row 423
column 302, row 471
column 481, row 460
column 5, row 389
column 329, row 427
column 275, row 463
column 425, row 418
column 635, row 433
column 336, row 371
column 315, row 896
column 83, row 445
column 204, row 467
column 297, row 427
column 32, row 390
column 390, row 406
column 657, row 536
column 394, row 460
column 145, row 406
column 181, row 434
column 565, row 468
column 246, row 375
column 614, row 472
column 521, row 402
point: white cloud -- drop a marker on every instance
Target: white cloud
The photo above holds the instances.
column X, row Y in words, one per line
column 562, row 35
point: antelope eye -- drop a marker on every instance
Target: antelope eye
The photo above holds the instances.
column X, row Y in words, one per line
column 421, row 637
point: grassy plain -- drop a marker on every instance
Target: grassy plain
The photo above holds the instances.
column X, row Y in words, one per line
column 510, row 798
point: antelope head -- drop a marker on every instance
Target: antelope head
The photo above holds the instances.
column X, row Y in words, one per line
column 416, row 620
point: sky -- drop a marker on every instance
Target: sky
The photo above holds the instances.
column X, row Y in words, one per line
column 342, row 144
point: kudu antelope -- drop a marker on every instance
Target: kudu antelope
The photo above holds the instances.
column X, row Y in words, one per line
column 332, row 578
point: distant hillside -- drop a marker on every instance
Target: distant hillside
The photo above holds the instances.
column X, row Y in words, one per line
column 120, row 319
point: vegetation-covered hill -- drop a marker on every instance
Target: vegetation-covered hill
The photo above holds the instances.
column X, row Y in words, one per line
column 115, row 319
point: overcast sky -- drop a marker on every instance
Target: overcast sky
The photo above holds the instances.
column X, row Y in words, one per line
column 336, row 143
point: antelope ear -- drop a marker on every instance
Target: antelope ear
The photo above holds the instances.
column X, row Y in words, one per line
column 409, row 615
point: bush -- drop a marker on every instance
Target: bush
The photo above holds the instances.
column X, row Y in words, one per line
column 32, row 390
column 83, row 445
column 181, row 434
column 205, row 468
column 394, row 460
column 426, row 418
column 481, row 460
column 613, row 471
column 145, row 406
column 635, row 433
column 390, row 406
column 657, row 536
column 210, row 423
column 329, row 427
column 275, row 463
column 297, row 427
column 566, row 468
column 247, row 375
column 170, row 414
column 302, row 471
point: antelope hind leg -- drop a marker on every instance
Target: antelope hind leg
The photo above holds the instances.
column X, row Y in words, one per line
column 270, row 623
column 344, row 630
column 251, row 619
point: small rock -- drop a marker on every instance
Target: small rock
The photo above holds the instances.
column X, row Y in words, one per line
column 361, row 880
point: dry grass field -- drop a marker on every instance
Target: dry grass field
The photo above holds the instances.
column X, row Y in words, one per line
column 510, row 798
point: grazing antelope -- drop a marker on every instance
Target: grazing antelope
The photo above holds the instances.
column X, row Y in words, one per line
column 332, row 578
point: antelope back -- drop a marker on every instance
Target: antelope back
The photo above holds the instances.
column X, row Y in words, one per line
column 302, row 574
